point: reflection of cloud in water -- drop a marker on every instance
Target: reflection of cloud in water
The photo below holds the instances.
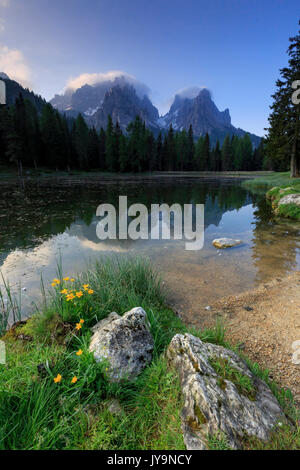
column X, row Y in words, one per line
column 103, row 246
column 25, row 267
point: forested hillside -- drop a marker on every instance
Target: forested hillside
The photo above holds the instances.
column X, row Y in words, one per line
column 44, row 138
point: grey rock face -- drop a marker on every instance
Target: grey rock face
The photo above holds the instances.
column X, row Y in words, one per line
column 125, row 342
column 123, row 104
column 204, row 116
column 213, row 404
column 201, row 112
column 222, row 243
column 290, row 199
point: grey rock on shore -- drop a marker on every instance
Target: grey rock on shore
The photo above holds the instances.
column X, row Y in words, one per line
column 290, row 199
column 213, row 404
column 124, row 342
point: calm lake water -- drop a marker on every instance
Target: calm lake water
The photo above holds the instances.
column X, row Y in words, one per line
column 48, row 223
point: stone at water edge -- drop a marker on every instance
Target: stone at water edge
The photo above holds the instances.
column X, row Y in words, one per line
column 213, row 405
column 290, row 199
column 222, row 243
column 124, row 342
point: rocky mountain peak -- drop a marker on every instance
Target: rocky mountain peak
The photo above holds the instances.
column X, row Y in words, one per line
column 123, row 104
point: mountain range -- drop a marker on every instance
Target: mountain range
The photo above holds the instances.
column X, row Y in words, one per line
column 123, row 102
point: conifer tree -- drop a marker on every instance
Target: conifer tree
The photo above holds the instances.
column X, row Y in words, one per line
column 81, row 141
column 226, row 154
column 283, row 140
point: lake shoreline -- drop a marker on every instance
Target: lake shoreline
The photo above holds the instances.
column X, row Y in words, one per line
column 60, row 178
column 49, row 361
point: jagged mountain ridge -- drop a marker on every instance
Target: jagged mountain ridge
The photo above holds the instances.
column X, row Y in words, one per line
column 120, row 100
column 204, row 116
column 123, row 105
column 88, row 98
column 200, row 112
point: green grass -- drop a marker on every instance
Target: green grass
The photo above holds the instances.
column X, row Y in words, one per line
column 242, row 382
column 269, row 181
column 283, row 438
column 38, row 413
column 291, row 211
column 218, row 442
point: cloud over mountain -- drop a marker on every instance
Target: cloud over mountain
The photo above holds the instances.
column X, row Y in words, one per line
column 94, row 79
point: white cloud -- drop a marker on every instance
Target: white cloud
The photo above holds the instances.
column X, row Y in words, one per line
column 97, row 78
column 190, row 92
column 4, row 3
column 13, row 63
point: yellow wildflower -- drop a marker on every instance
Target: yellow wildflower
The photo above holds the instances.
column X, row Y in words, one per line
column 70, row 297
column 74, row 380
column 90, row 291
column 57, row 379
column 64, row 291
column 66, row 278
column 81, row 321
column 78, row 326
column 85, row 286
column 72, row 280
column 56, row 281
column 79, row 294
column 79, row 352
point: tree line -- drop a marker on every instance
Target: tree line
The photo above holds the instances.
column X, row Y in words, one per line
column 48, row 139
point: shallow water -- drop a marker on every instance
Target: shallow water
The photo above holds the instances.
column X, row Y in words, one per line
column 51, row 223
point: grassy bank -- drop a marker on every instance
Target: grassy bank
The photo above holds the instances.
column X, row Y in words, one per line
column 271, row 180
column 276, row 186
column 53, row 395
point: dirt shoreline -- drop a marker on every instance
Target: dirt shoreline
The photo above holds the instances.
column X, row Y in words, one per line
column 265, row 321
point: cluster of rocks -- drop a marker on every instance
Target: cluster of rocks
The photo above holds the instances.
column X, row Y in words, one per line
column 213, row 403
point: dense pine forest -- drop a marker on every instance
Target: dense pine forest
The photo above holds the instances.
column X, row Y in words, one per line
column 47, row 139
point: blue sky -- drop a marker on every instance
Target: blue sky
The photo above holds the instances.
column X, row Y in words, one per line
column 233, row 47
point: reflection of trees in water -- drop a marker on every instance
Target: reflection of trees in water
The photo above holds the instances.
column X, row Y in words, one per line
column 275, row 242
column 51, row 212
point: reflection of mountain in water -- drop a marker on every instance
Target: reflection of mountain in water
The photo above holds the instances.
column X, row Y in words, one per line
column 74, row 211
column 218, row 199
